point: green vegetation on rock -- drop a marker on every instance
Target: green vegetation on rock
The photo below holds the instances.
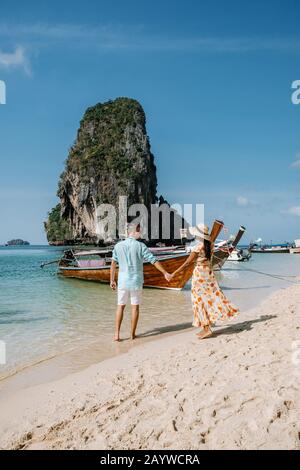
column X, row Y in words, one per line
column 101, row 143
column 111, row 157
column 57, row 229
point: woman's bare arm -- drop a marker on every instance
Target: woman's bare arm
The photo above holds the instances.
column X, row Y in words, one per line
column 188, row 262
column 160, row 268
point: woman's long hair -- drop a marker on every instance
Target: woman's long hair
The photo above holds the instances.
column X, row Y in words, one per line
column 207, row 249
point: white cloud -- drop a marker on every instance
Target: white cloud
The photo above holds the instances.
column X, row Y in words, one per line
column 106, row 36
column 296, row 163
column 295, row 210
column 242, row 201
column 56, row 31
column 15, row 59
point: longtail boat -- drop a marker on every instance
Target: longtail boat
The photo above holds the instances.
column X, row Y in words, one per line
column 296, row 249
column 99, row 270
column 222, row 253
column 94, row 265
column 270, row 249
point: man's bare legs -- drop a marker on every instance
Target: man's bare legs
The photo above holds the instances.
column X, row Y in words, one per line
column 135, row 311
column 119, row 318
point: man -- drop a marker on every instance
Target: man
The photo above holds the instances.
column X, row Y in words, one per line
column 130, row 255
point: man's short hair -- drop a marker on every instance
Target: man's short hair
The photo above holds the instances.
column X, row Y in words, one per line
column 133, row 226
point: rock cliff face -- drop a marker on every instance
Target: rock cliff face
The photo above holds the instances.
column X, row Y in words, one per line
column 111, row 157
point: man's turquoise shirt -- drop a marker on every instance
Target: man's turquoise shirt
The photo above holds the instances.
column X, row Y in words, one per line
column 130, row 255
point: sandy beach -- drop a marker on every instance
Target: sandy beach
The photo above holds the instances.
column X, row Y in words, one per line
column 237, row 390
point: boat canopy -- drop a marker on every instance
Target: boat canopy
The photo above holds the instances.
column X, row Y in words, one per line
column 92, row 252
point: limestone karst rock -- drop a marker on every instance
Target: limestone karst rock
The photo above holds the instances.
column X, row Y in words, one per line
column 111, row 157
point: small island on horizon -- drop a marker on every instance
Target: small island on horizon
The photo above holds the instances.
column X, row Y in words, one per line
column 17, row 242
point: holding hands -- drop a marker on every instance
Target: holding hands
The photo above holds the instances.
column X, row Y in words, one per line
column 168, row 277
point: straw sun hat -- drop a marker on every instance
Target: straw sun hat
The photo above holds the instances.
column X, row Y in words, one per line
column 200, row 231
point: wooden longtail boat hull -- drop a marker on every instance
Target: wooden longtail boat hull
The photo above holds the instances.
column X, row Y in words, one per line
column 222, row 254
column 220, row 257
column 152, row 277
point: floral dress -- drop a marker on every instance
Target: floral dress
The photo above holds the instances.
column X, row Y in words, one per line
column 209, row 302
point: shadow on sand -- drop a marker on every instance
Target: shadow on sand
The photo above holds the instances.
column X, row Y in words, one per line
column 166, row 329
column 243, row 326
column 228, row 330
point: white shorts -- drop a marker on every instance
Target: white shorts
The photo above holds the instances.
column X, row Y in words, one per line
column 135, row 296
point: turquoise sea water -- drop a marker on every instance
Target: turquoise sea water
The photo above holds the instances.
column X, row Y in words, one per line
column 43, row 315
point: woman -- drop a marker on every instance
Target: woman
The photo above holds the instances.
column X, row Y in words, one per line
column 209, row 302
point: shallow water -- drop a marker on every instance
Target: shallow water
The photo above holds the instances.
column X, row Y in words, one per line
column 43, row 315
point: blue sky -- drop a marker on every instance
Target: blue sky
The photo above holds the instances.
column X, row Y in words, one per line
column 214, row 79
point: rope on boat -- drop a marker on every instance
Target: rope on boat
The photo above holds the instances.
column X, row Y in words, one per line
column 50, row 262
column 275, row 276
